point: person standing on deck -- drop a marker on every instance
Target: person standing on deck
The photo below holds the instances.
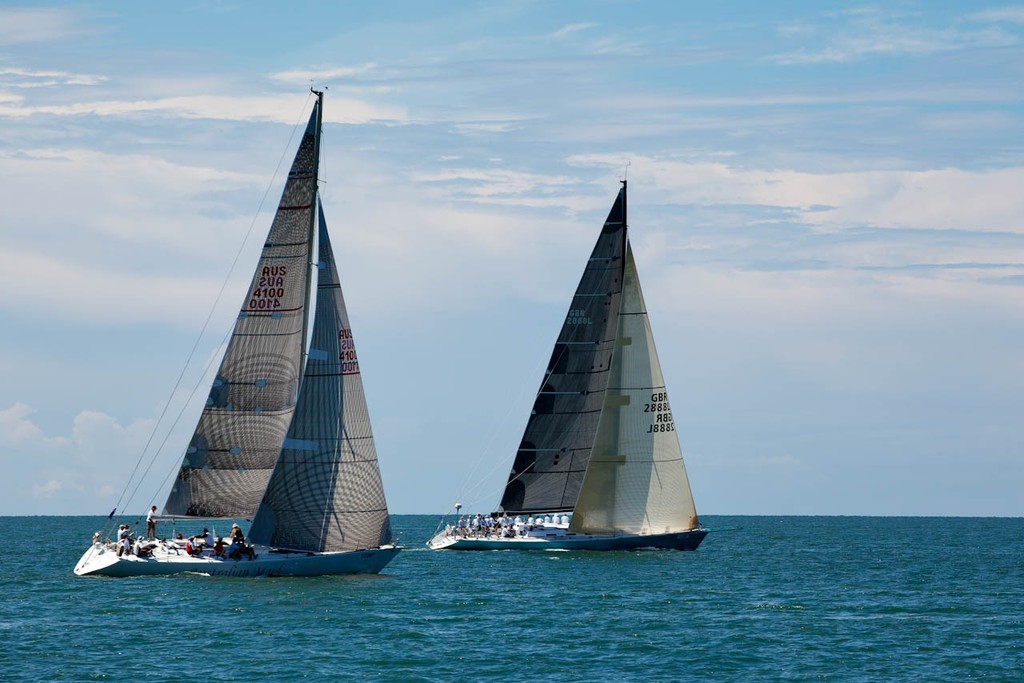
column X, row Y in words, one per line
column 151, row 523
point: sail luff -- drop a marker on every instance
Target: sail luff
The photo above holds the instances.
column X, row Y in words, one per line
column 318, row 112
column 238, row 436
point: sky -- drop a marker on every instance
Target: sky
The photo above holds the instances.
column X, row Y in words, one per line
column 825, row 207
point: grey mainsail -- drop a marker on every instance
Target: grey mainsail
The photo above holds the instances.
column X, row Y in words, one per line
column 230, row 457
column 326, row 493
column 556, row 447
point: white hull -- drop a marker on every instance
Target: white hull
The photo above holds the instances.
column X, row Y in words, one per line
column 102, row 560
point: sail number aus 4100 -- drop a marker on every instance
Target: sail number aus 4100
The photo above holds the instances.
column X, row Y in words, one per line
column 659, row 407
column 269, row 289
column 347, row 352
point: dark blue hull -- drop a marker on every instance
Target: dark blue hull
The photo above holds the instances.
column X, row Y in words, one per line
column 684, row 540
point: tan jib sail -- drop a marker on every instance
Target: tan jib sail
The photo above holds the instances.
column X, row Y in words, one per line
column 636, row 481
column 236, row 443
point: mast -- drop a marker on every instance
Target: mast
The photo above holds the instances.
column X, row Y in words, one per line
column 625, row 213
column 612, row 400
column 312, row 214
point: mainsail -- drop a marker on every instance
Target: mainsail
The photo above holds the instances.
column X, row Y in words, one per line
column 229, row 460
column 559, row 436
column 326, row 493
column 601, row 441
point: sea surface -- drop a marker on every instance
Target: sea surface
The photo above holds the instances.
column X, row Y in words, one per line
column 763, row 599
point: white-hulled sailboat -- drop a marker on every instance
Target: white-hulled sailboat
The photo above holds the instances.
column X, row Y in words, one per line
column 599, row 466
column 286, row 445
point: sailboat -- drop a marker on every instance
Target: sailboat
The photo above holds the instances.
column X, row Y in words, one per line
column 599, row 466
column 284, row 444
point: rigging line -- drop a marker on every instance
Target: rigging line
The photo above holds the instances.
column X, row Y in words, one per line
column 174, row 466
column 467, row 490
column 524, row 388
column 202, row 332
column 463, row 492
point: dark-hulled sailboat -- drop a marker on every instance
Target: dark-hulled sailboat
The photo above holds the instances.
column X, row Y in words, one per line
column 599, row 466
column 283, row 443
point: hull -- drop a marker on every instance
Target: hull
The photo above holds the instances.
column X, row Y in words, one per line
column 685, row 540
column 101, row 560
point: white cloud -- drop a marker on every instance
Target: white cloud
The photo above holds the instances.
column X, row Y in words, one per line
column 321, row 75
column 486, row 128
column 24, row 25
column 111, row 194
column 12, row 77
column 872, row 32
column 570, row 29
column 945, row 198
column 127, row 236
column 921, row 95
column 82, row 292
column 279, row 109
column 492, row 182
column 1012, row 15
column 48, row 490
column 618, row 46
column 822, row 296
column 80, row 472
column 16, row 429
column 94, row 429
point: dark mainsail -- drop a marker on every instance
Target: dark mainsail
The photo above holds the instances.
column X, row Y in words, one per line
column 559, row 436
column 326, row 493
column 236, row 443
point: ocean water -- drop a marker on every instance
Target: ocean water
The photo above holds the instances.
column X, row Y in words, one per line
column 774, row 599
